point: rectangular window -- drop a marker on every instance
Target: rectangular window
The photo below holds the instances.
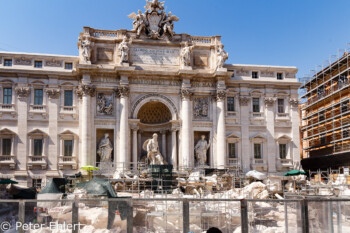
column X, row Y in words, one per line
column 230, row 104
column 255, row 74
column 68, row 147
column 68, row 66
column 280, row 105
column 6, row 146
column 8, row 62
column 38, row 97
column 323, row 139
column 232, row 151
column 38, row 64
column 345, row 133
column 279, row 76
column 256, row 105
column 38, row 147
column 37, row 183
column 257, row 151
column 283, row 151
column 7, row 96
column 68, row 98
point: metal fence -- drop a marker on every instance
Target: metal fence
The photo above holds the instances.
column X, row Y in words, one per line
column 178, row 215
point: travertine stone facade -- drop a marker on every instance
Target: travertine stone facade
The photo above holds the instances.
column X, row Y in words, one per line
column 116, row 81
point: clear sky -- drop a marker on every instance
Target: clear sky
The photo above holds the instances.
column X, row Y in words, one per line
column 302, row 33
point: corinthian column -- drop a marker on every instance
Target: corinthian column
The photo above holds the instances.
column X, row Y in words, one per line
column 85, row 92
column 186, row 129
column 221, row 129
column 163, row 132
column 134, row 129
column 124, row 127
column 174, row 148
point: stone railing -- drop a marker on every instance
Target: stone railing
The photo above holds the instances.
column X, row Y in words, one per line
column 8, row 160
column 67, row 161
column 68, row 111
column 37, row 160
column 37, row 108
column 202, row 40
column 232, row 162
column 7, row 107
column 258, row 164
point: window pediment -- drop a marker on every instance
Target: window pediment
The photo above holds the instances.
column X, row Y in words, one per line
column 6, row 131
column 257, row 138
column 37, row 132
column 284, row 138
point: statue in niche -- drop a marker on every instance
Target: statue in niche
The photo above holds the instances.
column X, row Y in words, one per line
column 222, row 56
column 186, row 54
column 104, row 105
column 153, row 155
column 201, row 151
column 201, row 107
column 105, row 149
column 86, row 46
column 123, row 50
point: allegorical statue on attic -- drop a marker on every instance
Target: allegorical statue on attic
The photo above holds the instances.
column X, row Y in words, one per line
column 86, row 49
column 186, row 54
column 153, row 155
column 154, row 22
column 222, row 56
column 123, row 50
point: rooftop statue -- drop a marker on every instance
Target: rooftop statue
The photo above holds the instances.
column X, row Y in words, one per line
column 154, row 22
column 222, row 56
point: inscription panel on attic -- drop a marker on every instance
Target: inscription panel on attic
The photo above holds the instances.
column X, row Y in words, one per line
column 154, row 56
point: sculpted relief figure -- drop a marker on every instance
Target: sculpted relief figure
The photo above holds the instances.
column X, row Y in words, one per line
column 201, row 107
column 123, row 50
column 222, row 56
column 186, row 55
column 105, row 149
column 104, row 105
column 153, row 155
column 201, row 151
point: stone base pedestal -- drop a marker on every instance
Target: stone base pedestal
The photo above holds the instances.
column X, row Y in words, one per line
column 162, row 177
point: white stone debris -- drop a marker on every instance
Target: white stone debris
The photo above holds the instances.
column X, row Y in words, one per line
column 256, row 175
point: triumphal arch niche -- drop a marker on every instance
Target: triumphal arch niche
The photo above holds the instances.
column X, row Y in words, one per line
column 150, row 80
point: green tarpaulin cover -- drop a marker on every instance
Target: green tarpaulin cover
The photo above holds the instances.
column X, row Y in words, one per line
column 294, row 173
column 98, row 186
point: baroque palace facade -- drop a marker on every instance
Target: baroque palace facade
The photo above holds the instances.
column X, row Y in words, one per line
column 126, row 85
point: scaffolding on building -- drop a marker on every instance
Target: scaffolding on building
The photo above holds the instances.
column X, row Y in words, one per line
column 326, row 111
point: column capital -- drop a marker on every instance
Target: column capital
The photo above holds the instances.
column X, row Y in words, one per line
column 134, row 127
column 243, row 100
column 294, row 102
column 269, row 101
column 221, row 94
column 122, row 91
column 186, row 93
column 163, row 131
column 86, row 89
column 53, row 93
column 22, row 92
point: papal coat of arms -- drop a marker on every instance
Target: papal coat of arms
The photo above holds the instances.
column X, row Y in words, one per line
column 154, row 22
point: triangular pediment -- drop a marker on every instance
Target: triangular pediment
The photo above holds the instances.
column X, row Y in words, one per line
column 37, row 132
column 67, row 132
column 7, row 131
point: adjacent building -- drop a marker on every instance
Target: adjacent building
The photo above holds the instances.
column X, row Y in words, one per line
column 126, row 85
column 325, row 117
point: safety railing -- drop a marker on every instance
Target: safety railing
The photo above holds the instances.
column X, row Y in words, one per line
column 177, row 215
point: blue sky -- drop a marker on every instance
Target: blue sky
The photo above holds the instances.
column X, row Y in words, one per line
column 302, row 33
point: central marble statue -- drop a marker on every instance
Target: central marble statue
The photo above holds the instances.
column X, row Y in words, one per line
column 153, row 155
column 105, row 149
